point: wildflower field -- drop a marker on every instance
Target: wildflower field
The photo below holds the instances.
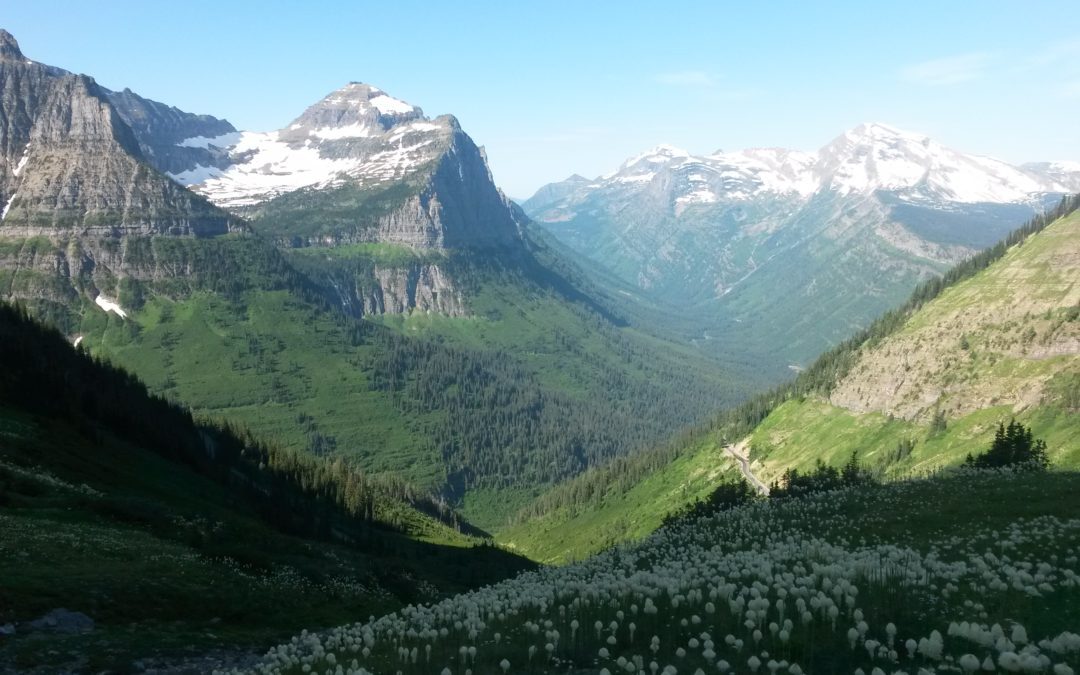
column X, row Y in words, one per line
column 971, row 571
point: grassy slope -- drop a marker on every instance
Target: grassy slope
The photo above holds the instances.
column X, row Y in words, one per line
column 264, row 362
column 164, row 559
column 621, row 515
column 920, row 555
column 1016, row 319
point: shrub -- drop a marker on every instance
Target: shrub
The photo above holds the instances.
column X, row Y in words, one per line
column 1013, row 445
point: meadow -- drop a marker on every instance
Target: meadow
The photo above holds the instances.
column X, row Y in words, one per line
column 967, row 571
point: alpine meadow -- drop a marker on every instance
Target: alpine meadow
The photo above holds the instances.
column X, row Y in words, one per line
column 325, row 399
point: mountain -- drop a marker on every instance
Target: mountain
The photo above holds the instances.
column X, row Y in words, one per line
column 783, row 253
column 81, row 201
column 997, row 338
column 424, row 183
column 171, row 536
column 173, row 141
column 396, row 312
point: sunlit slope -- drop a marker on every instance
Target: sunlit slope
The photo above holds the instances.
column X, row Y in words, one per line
column 918, row 390
column 621, row 502
column 1002, row 344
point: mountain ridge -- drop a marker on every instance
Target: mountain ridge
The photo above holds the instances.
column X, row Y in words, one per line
column 1016, row 364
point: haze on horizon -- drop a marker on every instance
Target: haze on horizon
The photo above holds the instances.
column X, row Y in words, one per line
column 556, row 89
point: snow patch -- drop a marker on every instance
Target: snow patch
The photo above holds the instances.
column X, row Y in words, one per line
column 196, row 175
column 110, row 306
column 223, row 141
column 3, row 214
column 390, row 105
column 22, row 161
column 347, row 131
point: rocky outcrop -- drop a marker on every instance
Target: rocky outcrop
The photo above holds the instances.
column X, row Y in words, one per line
column 171, row 140
column 72, row 165
column 423, row 287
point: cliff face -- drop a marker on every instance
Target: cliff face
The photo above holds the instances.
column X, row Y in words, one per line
column 78, row 195
column 172, row 140
column 399, row 289
column 80, row 169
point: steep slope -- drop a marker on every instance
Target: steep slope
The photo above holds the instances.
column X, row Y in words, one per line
column 918, row 390
column 175, row 536
column 1004, row 343
column 723, row 236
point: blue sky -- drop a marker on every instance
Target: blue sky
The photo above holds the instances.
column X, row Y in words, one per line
column 553, row 88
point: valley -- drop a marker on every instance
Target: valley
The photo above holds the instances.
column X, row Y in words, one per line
column 322, row 398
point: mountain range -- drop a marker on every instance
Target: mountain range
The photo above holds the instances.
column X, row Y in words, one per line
column 764, row 246
column 359, row 289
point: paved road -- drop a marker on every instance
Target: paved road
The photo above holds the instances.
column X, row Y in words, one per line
column 739, row 453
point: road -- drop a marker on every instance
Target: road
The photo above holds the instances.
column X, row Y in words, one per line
column 740, row 453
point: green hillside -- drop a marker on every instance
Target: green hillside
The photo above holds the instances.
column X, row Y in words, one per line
column 921, row 400
column 173, row 535
column 1002, row 344
column 533, row 384
column 972, row 571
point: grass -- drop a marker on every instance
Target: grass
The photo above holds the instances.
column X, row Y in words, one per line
column 622, row 516
column 166, row 562
column 833, row 582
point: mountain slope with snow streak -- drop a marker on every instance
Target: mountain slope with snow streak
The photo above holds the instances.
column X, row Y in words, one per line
column 357, row 133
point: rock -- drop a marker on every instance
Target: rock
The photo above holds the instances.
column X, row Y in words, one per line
column 64, row 621
column 7, row 629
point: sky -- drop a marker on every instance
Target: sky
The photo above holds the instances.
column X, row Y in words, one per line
column 555, row 88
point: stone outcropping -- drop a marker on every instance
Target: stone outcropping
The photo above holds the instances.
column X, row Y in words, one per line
column 172, row 140
column 70, row 164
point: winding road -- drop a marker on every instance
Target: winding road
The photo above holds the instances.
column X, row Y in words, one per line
column 740, row 453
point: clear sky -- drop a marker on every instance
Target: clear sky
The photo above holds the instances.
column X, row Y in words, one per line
column 553, row 88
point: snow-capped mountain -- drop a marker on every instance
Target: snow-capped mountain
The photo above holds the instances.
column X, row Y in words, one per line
column 357, row 133
column 869, row 158
column 874, row 157
column 779, row 233
column 360, row 166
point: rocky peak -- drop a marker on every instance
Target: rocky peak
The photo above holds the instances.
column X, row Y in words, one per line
column 9, row 47
column 876, row 156
column 361, row 108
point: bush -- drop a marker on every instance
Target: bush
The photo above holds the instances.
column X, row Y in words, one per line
column 1013, row 445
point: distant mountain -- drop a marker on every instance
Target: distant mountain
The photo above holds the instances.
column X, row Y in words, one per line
column 789, row 251
column 424, row 183
column 998, row 338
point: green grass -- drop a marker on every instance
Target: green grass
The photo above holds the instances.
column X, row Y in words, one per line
column 166, row 562
column 622, row 515
column 899, row 562
column 799, row 433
